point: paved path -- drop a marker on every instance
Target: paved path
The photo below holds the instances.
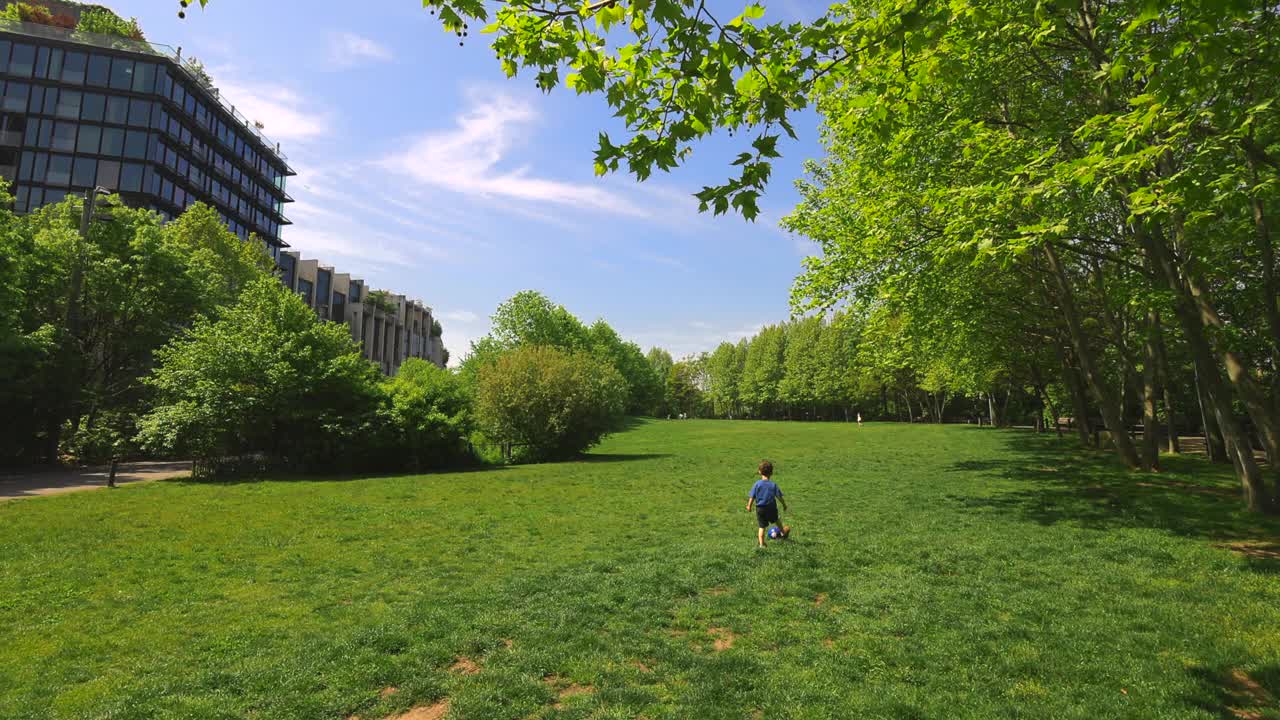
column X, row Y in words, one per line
column 52, row 482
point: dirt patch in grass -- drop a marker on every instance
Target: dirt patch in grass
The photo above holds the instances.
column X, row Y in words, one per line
column 425, row 712
column 388, row 691
column 829, row 643
column 717, row 591
column 820, row 600
column 722, row 638
column 1249, row 697
column 565, row 690
column 642, row 666
column 464, row 666
column 1256, row 549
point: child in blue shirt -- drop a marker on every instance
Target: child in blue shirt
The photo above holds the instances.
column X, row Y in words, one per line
column 765, row 496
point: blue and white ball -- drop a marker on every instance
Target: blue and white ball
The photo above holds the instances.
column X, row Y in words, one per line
column 775, row 533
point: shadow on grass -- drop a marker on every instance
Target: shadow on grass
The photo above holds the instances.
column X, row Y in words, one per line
column 1236, row 694
column 620, row 457
column 1055, row 481
column 296, row 476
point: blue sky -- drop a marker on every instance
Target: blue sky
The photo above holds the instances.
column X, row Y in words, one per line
column 424, row 170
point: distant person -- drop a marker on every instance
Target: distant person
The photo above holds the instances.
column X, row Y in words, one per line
column 859, row 419
column 765, row 496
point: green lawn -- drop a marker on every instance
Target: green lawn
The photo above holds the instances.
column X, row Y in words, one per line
column 935, row 572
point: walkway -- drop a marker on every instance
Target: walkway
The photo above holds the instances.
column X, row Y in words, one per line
column 53, row 482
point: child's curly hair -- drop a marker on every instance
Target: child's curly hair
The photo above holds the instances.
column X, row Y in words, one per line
column 766, row 468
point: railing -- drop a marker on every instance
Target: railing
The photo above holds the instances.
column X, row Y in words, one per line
column 115, row 42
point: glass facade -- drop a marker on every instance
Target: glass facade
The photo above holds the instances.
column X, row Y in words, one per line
column 74, row 117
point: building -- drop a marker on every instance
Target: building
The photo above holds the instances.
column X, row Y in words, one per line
column 390, row 328
column 79, row 110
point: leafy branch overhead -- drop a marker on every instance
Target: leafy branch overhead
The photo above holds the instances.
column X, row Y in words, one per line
column 675, row 71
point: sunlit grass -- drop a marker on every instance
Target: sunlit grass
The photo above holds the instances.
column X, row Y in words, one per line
column 933, row 573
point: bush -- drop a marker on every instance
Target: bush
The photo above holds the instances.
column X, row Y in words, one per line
column 266, row 378
column 105, row 22
column 549, row 404
column 430, row 414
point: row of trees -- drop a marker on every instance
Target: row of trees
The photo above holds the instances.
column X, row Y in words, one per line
column 1072, row 196
column 122, row 335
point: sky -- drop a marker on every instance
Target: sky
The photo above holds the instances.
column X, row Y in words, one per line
column 424, row 170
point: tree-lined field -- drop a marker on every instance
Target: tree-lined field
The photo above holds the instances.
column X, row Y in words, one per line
column 935, row 571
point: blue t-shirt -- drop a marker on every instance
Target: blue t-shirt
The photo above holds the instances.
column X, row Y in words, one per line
column 765, row 491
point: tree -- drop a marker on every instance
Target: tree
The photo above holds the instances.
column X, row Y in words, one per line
column 643, row 386
column 683, row 395
column 430, row 413
column 660, row 361
column 763, row 370
column 724, row 368
column 547, row 403
column 802, row 365
column 265, row 377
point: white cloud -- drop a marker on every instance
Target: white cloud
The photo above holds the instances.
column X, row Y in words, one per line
column 682, row 343
column 347, row 50
column 464, row 316
column 467, row 159
column 284, row 112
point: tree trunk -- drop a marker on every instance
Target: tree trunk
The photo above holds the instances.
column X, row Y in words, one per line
column 1150, row 423
column 991, row 410
column 1106, row 400
column 1195, row 313
column 1214, row 447
column 1079, row 401
column 1166, row 379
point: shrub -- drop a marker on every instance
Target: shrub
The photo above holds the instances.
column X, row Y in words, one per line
column 267, row 378
column 548, row 403
column 105, row 22
column 27, row 12
column 430, row 414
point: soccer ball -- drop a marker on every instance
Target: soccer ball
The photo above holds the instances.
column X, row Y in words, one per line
column 775, row 533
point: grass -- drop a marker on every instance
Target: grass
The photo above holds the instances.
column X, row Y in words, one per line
column 934, row 572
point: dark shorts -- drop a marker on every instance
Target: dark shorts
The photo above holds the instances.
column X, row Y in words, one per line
column 766, row 514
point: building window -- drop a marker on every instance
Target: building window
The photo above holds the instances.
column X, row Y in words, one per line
column 121, row 74
column 99, row 69
column 139, row 113
column 85, row 173
column 144, row 76
column 117, row 110
column 55, row 64
column 112, row 141
column 23, row 61
column 59, row 170
column 90, row 137
column 64, row 136
column 93, row 108
column 73, row 68
column 68, row 104
column 131, row 177
column 108, row 174
column 135, row 144
column 304, row 289
column 16, row 95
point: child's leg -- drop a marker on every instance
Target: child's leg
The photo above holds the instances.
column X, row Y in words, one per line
column 760, row 537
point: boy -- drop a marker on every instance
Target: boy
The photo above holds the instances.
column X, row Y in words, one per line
column 766, row 495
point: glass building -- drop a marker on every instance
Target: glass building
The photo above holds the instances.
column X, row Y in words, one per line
column 79, row 110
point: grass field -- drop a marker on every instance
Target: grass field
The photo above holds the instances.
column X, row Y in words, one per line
column 935, row 572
